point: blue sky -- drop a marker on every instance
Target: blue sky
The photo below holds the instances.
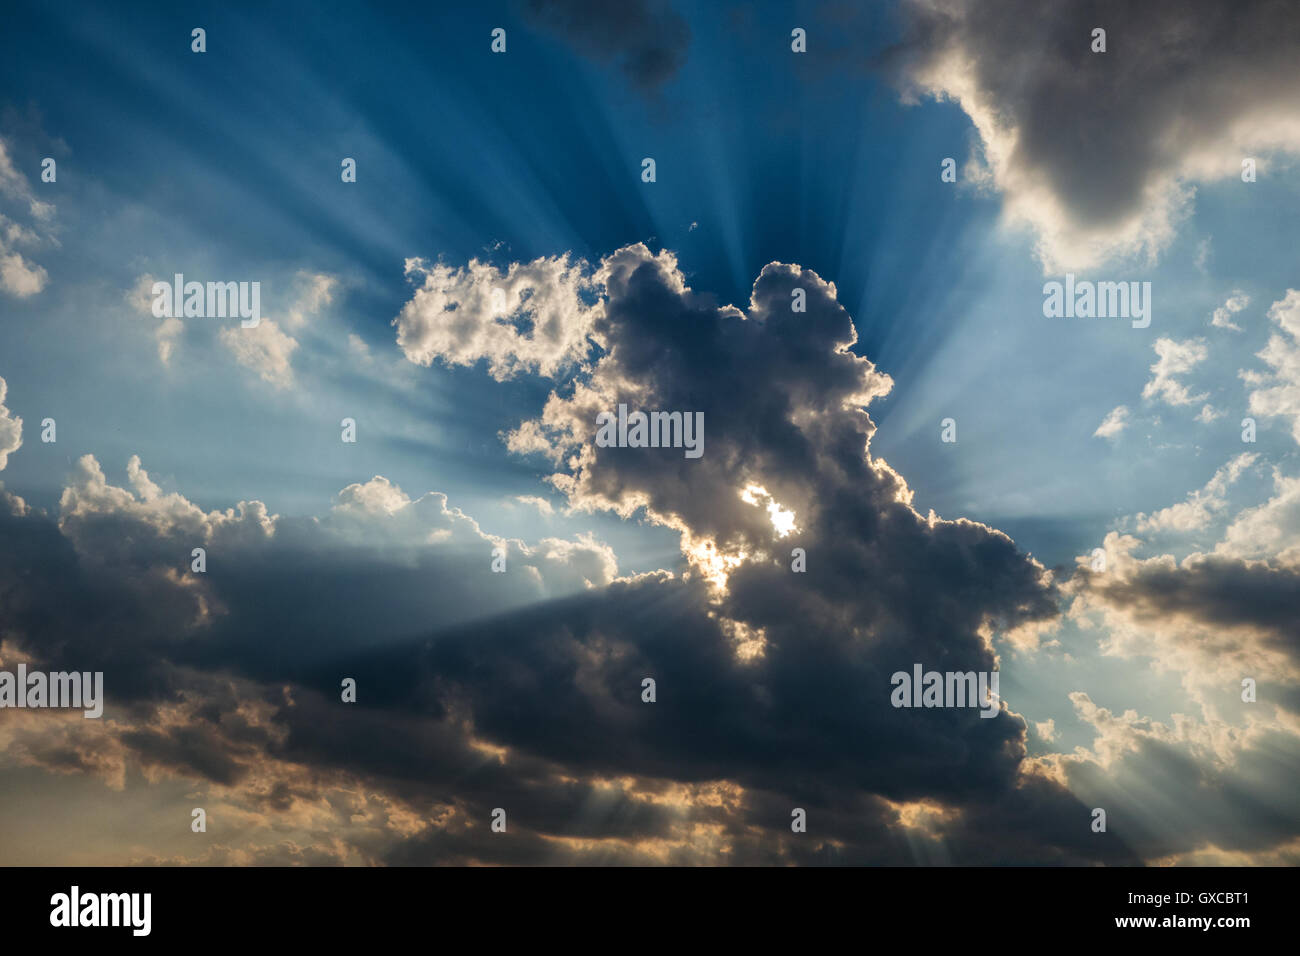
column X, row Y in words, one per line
column 226, row 165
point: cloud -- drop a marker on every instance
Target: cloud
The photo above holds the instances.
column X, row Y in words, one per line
column 1115, row 422
column 1175, row 358
column 523, row 689
column 776, row 655
column 1176, row 789
column 1204, row 251
column 265, row 348
column 535, row 316
column 1221, row 318
column 315, row 292
column 19, row 276
column 1210, row 613
column 1214, row 620
column 646, row 39
column 357, row 346
column 194, row 662
column 1214, row 616
column 11, row 429
column 1215, row 773
column 1270, row 529
column 1201, row 506
column 168, row 331
column 1098, row 173
column 543, row 506
column 1277, row 392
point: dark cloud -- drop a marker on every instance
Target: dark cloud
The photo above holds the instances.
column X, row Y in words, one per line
column 1095, row 149
column 646, row 39
column 1227, row 594
column 773, row 687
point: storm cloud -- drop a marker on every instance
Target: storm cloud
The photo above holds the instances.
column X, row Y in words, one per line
column 1100, row 153
column 772, row 685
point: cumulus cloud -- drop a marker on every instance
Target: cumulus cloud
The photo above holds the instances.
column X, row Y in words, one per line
column 1099, row 173
column 538, row 316
column 1277, row 391
column 224, row 679
column 1216, row 621
column 19, row 276
column 1222, row 316
column 1175, row 358
column 523, row 688
column 1201, row 506
column 770, row 651
column 479, row 689
column 1211, row 614
column 1270, row 529
column 11, row 429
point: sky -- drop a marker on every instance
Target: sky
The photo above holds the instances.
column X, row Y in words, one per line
column 1105, row 513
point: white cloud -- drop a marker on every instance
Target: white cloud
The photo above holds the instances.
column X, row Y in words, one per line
column 19, row 276
column 11, row 429
column 541, row 504
column 1222, row 317
column 268, row 347
column 168, row 330
column 142, row 529
column 1202, row 506
column 1271, row 529
column 1113, row 423
column 537, row 316
column 166, row 334
column 89, row 494
column 264, row 348
column 1278, row 393
column 1175, row 359
column 378, row 511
